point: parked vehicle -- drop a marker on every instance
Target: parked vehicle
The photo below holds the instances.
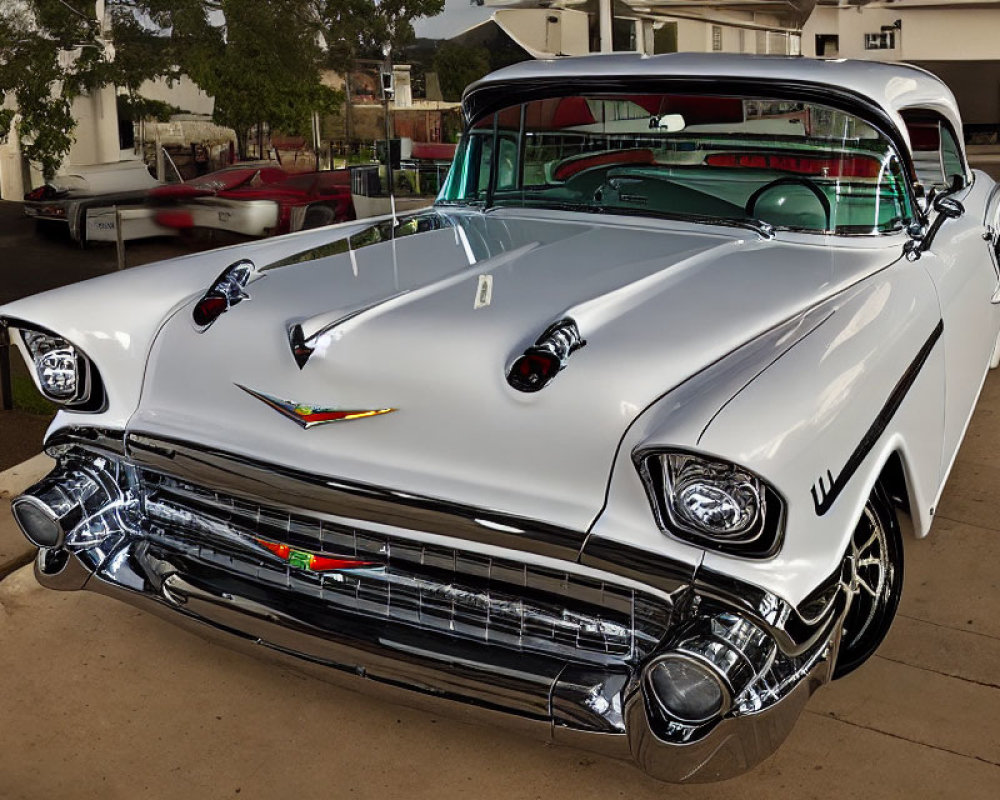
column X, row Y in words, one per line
column 624, row 438
column 85, row 199
column 255, row 200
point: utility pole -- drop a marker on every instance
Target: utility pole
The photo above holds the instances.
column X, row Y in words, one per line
column 387, row 93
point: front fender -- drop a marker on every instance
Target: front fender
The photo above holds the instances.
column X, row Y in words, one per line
column 115, row 318
column 822, row 421
column 793, row 405
column 679, row 419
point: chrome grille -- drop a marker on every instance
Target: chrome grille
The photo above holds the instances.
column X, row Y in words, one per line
column 499, row 601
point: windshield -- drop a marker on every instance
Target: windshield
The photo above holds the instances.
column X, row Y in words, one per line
column 738, row 160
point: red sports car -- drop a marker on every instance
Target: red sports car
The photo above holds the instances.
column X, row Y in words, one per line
column 256, row 200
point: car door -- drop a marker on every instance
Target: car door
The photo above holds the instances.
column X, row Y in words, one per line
column 962, row 261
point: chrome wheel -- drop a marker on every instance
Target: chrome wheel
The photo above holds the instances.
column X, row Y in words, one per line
column 875, row 570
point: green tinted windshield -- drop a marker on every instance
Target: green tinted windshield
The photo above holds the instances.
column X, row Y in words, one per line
column 791, row 165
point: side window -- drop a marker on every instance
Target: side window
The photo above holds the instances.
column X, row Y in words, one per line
column 485, row 162
column 937, row 156
column 951, row 156
column 507, row 164
column 925, row 141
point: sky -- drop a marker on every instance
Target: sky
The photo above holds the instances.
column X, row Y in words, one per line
column 456, row 17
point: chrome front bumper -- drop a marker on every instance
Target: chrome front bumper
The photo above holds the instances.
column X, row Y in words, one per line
column 562, row 649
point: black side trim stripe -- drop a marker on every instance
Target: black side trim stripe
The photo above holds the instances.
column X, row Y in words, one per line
column 826, row 490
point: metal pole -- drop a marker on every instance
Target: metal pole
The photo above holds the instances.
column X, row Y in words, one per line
column 6, row 394
column 606, row 25
column 119, row 240
column 387, row 70
column 388, row 166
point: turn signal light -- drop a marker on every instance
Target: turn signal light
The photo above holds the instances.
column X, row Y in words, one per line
column 227, row 291
column 540, row 363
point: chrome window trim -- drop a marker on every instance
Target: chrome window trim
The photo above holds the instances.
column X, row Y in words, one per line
column 484, row 98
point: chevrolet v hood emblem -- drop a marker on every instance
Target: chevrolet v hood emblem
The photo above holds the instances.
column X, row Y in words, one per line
column 307, row 416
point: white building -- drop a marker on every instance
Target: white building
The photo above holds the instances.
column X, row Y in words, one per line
column 549, row 28
column 957, row 40
column 99, row 138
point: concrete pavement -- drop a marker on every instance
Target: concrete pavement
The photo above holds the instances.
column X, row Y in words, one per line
column 15, row 551
column 102, row 701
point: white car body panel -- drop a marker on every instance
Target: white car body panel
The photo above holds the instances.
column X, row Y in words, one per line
column 672, row 278
column 154, row 291
column 137, row 223
column 110, row 178
column 246, row 217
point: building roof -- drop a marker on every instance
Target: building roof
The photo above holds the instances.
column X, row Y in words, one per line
column 891, row 87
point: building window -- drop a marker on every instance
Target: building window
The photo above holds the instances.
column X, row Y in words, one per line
column 827, row 45
column 884, row 40
column 665, row 38
column 623, row 35
column 717, row 38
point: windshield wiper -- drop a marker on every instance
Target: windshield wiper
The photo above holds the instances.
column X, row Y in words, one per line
column 758, row 226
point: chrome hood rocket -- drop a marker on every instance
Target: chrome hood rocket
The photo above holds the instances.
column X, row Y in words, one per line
column 407, row 350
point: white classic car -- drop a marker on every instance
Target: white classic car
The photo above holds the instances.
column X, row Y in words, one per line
column 623, row 438
column 86, row 201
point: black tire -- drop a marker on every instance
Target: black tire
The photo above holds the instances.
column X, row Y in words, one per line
column 875, row 564
column 318, row 217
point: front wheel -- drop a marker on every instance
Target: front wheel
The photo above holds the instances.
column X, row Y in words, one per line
column 875, row 567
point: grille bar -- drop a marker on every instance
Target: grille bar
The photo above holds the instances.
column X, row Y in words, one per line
column 499, row 601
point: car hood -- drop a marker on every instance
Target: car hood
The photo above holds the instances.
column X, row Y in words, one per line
column 408, row 327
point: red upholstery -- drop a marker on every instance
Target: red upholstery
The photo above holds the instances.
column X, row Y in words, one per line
column 838, row 166
column 579, row 163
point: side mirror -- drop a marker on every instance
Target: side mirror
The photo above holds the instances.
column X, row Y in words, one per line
column 947, row 207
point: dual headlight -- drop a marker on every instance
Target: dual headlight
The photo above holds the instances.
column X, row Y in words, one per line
column 714, row 504
column 705, row 674
column 63, row 373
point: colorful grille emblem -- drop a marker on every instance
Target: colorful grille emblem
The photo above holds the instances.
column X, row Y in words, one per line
column 313, row 562
column 307, row 416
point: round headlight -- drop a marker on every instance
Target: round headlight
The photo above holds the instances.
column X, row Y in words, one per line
column 725, row 507
column 713, row 497
column 57, row 365
column 686, row 690
column 57, row 370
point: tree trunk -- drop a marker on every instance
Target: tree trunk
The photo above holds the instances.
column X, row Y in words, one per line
column 348, row 120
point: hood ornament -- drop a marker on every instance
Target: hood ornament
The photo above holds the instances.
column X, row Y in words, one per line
column 307, row 416
column 315, row 562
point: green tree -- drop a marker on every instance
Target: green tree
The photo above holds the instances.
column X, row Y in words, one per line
column 457, row 66
column 50, row 53
column 356, row 29
column 261, row 59
column 264, row 67
column 367, row 29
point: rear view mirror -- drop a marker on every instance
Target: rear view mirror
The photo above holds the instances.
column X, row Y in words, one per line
column 669, row 123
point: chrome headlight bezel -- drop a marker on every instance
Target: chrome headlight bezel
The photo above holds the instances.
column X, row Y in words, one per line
column 38, row 343
column 758, row 538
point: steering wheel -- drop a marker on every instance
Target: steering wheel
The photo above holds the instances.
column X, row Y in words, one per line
column 789, row 180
